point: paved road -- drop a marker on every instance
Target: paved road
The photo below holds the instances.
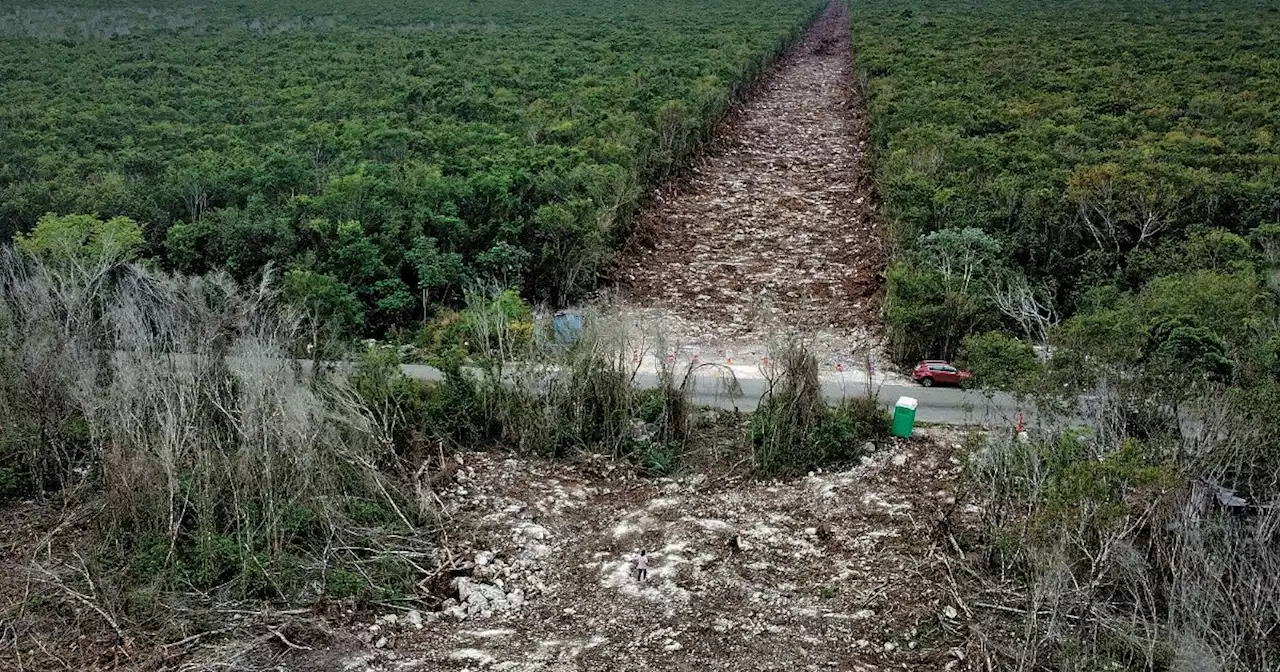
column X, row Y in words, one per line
column 937, row 405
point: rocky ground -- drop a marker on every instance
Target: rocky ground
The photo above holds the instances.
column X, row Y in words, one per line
column 834, row 571
column 774, row 228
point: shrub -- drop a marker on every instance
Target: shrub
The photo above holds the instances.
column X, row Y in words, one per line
column 793, row 430
column 1000, row 362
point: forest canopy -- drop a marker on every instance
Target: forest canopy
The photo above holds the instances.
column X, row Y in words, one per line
column 382, row 153
column 1067, row 146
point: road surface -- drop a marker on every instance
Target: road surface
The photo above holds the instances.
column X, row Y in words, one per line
column 937, row 405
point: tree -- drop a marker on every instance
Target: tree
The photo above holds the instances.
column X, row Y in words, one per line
column 1120, row 208
column 1217, row 250
column 392, row 301
column 959, row 255
column 435, row 269
column 504, row 263
column 331, row 308
column 927, row 319
column 1000, row 362
column 1014, row 296
column 80, row 238
column 187, row 246
column 1267, row 237
column 1193, row 354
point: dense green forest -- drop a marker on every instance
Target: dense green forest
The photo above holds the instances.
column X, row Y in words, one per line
column 380, row 154
column 1040, row 159
column 1102, row 180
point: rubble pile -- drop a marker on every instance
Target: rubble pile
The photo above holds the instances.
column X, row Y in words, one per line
column 830, row 571
column 776, row 223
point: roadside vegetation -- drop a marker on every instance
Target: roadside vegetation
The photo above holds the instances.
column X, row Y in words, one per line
column 381, row 155
column 1113, row 549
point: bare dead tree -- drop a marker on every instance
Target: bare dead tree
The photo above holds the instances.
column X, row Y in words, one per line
column 1014, row 296
column 1122, row 210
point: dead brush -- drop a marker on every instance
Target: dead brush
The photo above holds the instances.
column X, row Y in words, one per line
column 548, row 397
column 791, row 409
column 1107, row 554
column 222, row 468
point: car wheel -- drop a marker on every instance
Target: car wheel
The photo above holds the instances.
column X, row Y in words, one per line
column 927, row 382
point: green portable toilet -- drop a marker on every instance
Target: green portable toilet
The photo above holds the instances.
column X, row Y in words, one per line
column 904, row 417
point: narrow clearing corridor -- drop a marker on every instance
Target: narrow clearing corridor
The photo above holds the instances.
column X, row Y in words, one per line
column 774, row 224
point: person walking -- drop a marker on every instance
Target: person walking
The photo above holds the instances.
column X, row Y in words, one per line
column 642, row 566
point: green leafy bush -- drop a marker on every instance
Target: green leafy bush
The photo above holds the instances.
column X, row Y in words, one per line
column 1001, row 362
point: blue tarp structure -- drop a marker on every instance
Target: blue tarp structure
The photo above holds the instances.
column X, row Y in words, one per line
column 566, row 327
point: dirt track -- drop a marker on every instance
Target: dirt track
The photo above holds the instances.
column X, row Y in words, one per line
column 775, row 224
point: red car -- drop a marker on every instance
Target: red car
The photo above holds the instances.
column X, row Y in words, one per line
column 937, row 371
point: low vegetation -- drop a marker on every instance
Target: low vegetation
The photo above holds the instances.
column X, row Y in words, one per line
column 794, row 430
column 1125, row 553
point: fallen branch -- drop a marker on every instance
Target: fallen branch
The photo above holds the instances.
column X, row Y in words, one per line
column 280, row 635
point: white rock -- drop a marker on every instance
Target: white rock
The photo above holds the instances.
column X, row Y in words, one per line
column 673, row 646
column 537, row 532
column 811, row 531
column 889, row 646
column 390, row 619
column 381, row 644
column 950, row 612
column 414, row 618
column 483, row 558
